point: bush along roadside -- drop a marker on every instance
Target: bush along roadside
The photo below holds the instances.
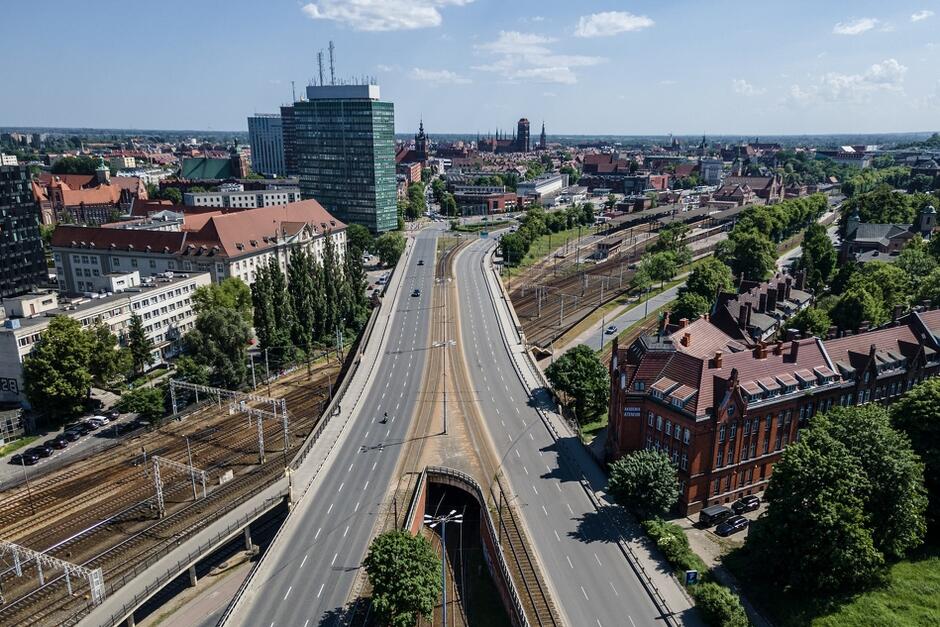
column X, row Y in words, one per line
column 717, row 605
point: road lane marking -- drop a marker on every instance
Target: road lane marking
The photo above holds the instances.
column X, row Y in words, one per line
column 631, row 620
column 330, row 509
column 350, row 469
column 586, row 598
column 545, row 510
column 289, row 588
column 569, row 561
column 374, row 464
column 367, row 434
column 598, row 560
column 517, row 454
column 557, row 537
column 365, row 486
column 571, row 511
column 319, row 592
column 530, row 437
column 318, row 533
column 616, row 593
column 347, row 531
column 335, row 555
column 357, row 507
column 526, row 470
column 303, row 562
column 534, row 490
column 341, row 487
column 306, row 622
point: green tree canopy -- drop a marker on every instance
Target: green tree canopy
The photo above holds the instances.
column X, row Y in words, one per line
column 106, row 363
column 417, row 205
column 929, row 289
column 146, row 401
column 405, row 575
column 811, row 321
column 188, row 369
column 659, row 266
column 75, row 165
column 172, row 194
column 645, row 481
column 141, row 346
column 232, row 293
column 708, row 278
column 856, row 306
column 581, row 376
column 917, row 261
column 389, row 247
column 690, row 306
column 916, row 414
column 55, row 373
column 220, row 340
column 719, row 606
column 448, row 204
column 819, row 256
column 882, row 205
column 748, row 253
column 359, row 238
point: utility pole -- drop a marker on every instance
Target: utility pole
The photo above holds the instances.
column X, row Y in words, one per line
column 192, row 476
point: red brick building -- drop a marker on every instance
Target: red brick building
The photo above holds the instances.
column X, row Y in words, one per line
column 723, row 413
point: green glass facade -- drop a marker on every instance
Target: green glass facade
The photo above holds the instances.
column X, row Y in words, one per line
column 344, row 153
column 22, row 263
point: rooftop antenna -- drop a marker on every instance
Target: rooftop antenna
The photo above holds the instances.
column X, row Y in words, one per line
column 332, row 67
column 320, row 63
column 293, row 93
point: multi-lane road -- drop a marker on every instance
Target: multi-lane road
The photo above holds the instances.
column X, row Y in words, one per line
column 591, row 582
column 312, row 567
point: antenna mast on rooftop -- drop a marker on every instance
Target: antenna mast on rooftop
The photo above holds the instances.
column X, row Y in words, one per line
column 293, row 93
column 320, row 63
column 332, row 67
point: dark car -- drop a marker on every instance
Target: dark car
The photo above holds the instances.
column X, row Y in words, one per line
column 732, row 525
column 713, row 515
column 42, row 450
column 71, row 435
column 58, row 443
column 746, row 504
column 420, row 262
column 113, row 414
column 416, row 293
column 26, row 458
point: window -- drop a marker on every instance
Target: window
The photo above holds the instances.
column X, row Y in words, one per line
column 721, row 458
column 75, row 258
column 659, row 423
column 778, row 443
column 668, row 427
column 686, row 436
column 755, row 425
column 727, row 483
column 649, row 419
column 786, row 419
column 734, row 430
column 770, row 423
column 753, row 451
column 747, row 427
column 677, row 432
column 684, row 462
column 716, row 486
column 116, row 261
column 649, row 441
column 779, row 420
column 731, row 454
column 721, row 433
column 766, row 443
column 84, row 258
column 153, row 263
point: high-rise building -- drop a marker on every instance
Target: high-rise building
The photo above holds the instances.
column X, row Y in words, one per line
column 22, row 264
column 522, row 136
column 265, row 134
column 287, row 133
column 343, row 145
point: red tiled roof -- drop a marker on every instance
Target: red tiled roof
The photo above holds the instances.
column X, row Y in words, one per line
column 900, row 338
column 69, row 236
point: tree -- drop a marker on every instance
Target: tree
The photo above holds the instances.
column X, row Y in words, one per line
column 581, row 376
column 220, row 340
column 708, row 278
column 358, row 237
column 389, row 247
column 815, row 510
column 448, row 204
column 301, row 270
column 188, row 369
column 172, row 194
column 917, row 261
column 438, row 187
column 915, row 414
column 75, row 165
column 55, row 373
column 405, row 575
column 232, row 293
column 855, row 307
column 417, row 205
column 750, row 253
column 887, row 282
column 145, row 401
column 659, row 266
column 811, row 321
column 819, row 256
column 645, row 481
column 141, row 346
column 930, row 288
column 105, row 361
column 718, row 606
column 513, row 248
column 690, row 306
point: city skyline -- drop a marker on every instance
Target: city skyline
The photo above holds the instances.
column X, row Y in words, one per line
column 637, row 68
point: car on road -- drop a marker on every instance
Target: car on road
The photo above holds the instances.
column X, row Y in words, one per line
column 420, row 262
column 732, row 525
column 416, row 292
column 42, row 450
column 58, row 443
column 746, row 504
column 611, row 329
column 26, row 458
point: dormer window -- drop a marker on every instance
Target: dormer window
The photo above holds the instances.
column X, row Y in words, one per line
column 639, row 386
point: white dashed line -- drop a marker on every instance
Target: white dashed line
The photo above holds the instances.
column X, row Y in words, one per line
column 303, row 562
column 319, row 592
column 289, row 588
column 616, row 593
column 335, row 555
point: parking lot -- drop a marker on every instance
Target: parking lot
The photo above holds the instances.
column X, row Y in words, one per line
column 707, row 544
column 99, row 439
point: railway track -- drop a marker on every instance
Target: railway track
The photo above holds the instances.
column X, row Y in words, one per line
column 105, row 509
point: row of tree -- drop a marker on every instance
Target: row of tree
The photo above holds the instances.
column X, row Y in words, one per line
column 537, row 222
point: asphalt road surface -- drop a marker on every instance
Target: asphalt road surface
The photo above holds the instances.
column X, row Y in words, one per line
column 592, row 583
column 317, row 559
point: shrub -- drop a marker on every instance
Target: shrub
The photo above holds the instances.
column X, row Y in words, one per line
column 718, row 606
column 672, row 541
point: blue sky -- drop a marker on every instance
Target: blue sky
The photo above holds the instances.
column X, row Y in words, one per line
column 637, row 67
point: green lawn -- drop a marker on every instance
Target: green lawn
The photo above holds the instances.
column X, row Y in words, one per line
column 15, row 445
column 547, row 244
column 909, row 596
column 590, row 429
column 489, row 226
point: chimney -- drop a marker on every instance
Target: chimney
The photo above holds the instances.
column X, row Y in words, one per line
column 778, row 348
column 794, row 349
column 742, row 317
column 898, row 310
column 762, row 303
column 686, row 338
column 747, row 322
column 717, row 360
column 801, row 280
column 771, row 299
column 761, row 350
column 683, row 323
column 782, row 293
column 792, row 334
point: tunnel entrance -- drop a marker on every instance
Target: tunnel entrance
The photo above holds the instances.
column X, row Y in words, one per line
column 472, row 595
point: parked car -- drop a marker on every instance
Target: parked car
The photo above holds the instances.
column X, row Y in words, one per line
column 611, row 329
column 416, row 292
column 58, row 443
column 732, row 525
column 714, row 515
column 26, row 458
column 42, row 450
column 746, row 504
column 101, row 418
column 71, row 435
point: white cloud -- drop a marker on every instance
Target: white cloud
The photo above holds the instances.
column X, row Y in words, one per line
column 440, row 77
column 667, row 81
column 741, row 86
column 382, row 67
column 855, row 27
column 610, row 23
column 527, row 56
column 887, row 76
column 381, row 15
column 921, row 15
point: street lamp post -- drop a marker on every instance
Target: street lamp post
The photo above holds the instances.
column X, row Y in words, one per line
column 432, row 522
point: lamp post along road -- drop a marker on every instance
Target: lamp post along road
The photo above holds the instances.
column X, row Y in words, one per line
column 432, row 522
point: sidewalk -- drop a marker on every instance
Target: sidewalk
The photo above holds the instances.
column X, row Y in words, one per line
column 652, row 570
